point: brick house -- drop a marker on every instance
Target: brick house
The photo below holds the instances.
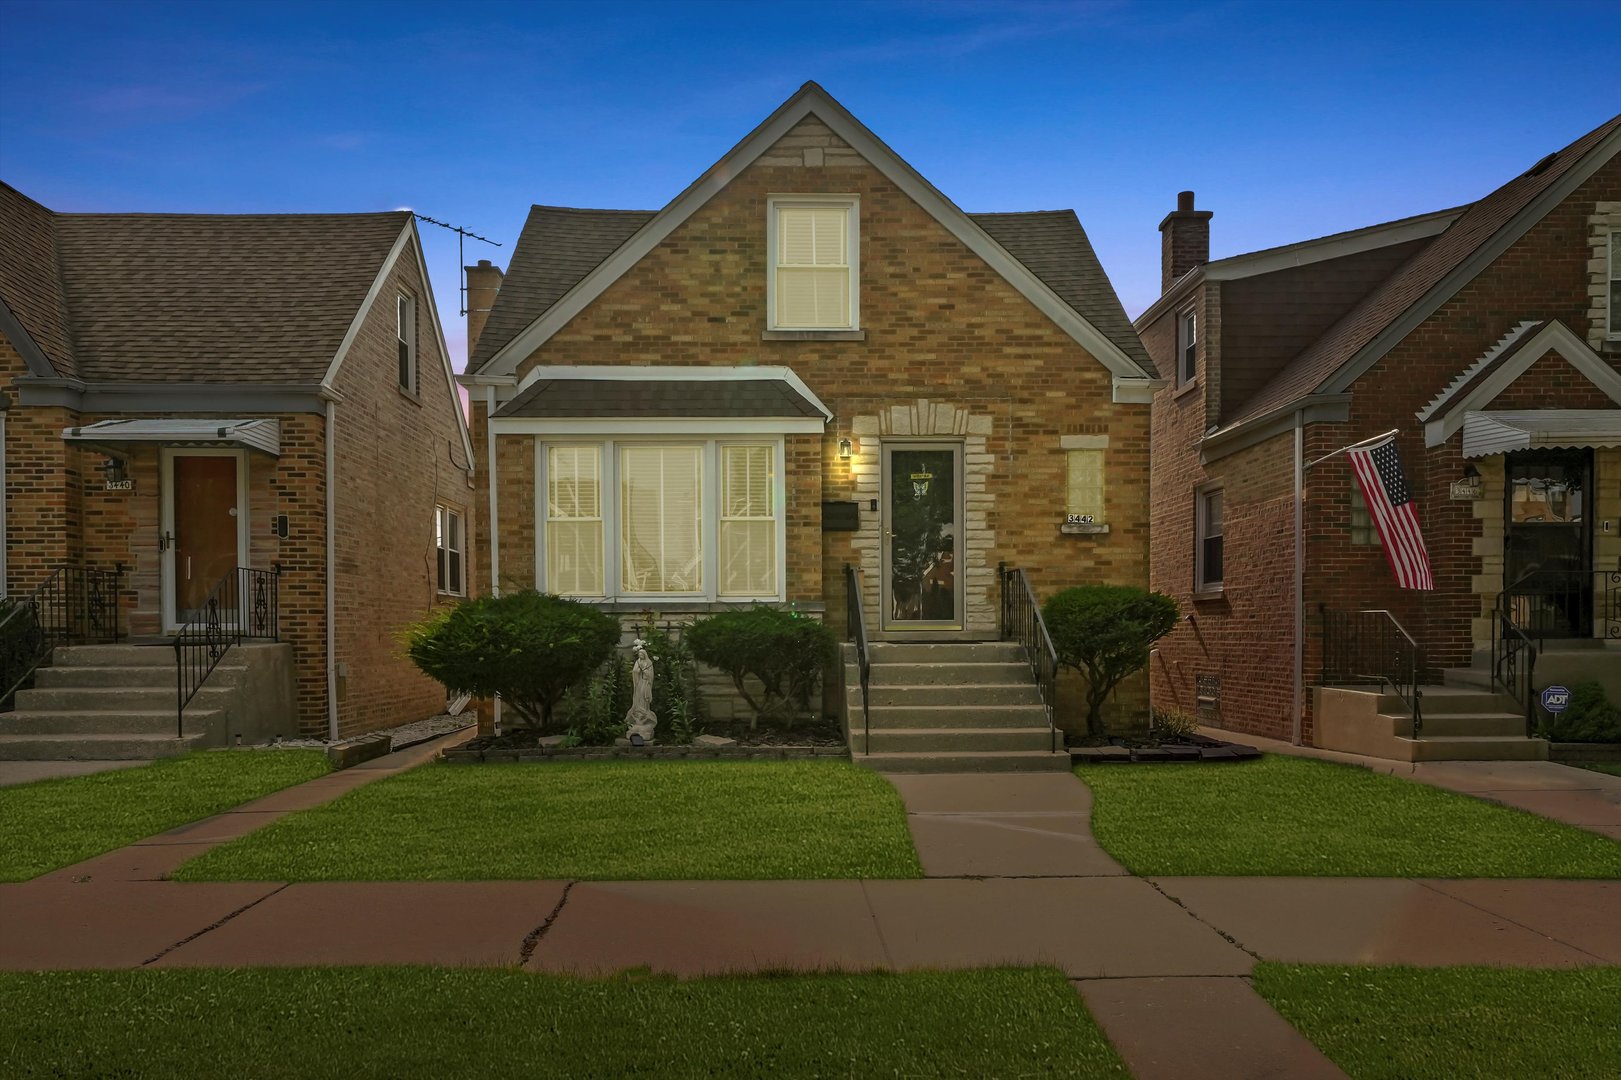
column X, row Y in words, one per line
column 192, row 397
column 1488, row 337
column 808, row 359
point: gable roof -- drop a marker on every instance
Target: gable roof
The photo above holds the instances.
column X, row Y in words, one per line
column 1427, row 280
column 810, row 99
column 213, row 298
column 560, row 245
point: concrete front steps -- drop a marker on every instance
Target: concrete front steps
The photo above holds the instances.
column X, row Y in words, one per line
column 958, row 707
column 117, row 703
column 1464, row 720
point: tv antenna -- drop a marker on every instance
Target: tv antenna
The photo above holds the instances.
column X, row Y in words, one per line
column 462, row 236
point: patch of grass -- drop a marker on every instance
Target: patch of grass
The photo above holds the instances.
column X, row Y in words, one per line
column 1291, row 816
column 603, row 820
column 54, row 823
column 1611, row 767
column 459, row 1022
column 1415, row 1023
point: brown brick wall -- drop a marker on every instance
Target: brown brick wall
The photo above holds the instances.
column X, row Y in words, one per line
column 940, row 325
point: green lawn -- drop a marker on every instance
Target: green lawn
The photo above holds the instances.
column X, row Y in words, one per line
column 603, row 820
column 459, row 1022
column 1290, row 816
column 54, row 823
column 1611, row 767
column 1417, row 1023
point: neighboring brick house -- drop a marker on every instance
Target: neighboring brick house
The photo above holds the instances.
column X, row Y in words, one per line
column 1489, row 338
column 187, row 394
column 807, row 352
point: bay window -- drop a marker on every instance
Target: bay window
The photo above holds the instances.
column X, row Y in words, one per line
column 574, row 519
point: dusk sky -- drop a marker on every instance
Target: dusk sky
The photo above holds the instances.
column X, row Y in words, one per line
column 1289, row 120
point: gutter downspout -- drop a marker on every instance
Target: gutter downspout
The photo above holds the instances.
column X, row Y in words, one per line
column 331, row 566
column 1300, row 573
column 494, row 524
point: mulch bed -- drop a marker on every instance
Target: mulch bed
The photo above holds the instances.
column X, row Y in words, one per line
column 819, row 738
column 1150, row 750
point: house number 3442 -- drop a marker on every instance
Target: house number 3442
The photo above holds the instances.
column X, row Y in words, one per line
column 1078, row 519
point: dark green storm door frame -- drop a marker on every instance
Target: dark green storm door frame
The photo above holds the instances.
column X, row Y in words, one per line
column 921, row 551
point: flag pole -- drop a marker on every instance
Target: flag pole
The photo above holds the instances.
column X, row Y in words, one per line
column 1353, row 446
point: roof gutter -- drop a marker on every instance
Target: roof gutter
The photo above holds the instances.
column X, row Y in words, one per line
column 1314, row 409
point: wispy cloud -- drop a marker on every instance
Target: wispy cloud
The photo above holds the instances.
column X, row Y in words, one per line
column 150, row 101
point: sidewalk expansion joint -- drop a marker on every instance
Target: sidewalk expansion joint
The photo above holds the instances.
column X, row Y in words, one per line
column 1224, row 935
column 1511, row 922
column 227, row 917
column 877, row 928
column 532, row 940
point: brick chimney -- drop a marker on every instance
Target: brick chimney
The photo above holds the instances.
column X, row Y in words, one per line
column 1185, row 240
column 483, row 282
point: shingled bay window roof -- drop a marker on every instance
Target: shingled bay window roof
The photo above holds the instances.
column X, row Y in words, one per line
column 760, row 398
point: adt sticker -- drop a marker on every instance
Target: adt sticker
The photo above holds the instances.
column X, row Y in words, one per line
column 1555, row 698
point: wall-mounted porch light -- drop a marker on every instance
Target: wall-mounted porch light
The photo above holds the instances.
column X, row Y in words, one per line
column 113, row 472
column 846, row 448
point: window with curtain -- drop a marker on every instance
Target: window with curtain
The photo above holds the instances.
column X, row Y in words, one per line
column 660, row 519
column 574, row 520
column 748, row 521
column 813, row 267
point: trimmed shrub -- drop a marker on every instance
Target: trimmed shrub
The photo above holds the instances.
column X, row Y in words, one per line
column 787, row 652
column 1590, row 717
column 528, row 646
column 1104, row 632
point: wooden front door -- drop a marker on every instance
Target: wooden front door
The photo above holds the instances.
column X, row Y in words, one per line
column 203, row 536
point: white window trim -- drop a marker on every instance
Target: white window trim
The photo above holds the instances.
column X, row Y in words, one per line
column 851, row 205
column 1182, row 318
column 1200, row 496
column 408, row 335
column 709, row 522
column 439, row 533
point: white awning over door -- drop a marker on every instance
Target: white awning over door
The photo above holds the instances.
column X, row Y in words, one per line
column 263, row 435
column 1487, row 433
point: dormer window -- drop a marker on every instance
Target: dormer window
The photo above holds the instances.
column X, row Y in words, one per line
column 1187, row 347
column 812, row 262
column 405, row 328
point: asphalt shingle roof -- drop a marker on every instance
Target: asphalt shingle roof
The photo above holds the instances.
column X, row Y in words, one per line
column 659, row 397
column 30, row 283
column 219, row 298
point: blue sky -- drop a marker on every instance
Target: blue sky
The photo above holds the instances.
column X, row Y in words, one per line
column 1290, row 120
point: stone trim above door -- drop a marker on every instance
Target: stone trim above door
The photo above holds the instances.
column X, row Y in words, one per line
column 919, row 419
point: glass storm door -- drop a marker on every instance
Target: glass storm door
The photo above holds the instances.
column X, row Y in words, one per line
column 203, row 534
column 1548, row 541
column 922, row 542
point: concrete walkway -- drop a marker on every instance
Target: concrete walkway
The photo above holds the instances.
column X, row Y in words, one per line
column 26, row 772
column 1013, row 876
column 1581, row 797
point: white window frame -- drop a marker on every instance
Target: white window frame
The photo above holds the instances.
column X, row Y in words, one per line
column 441, row 521
column 609, row 444
column 1187, row 373
column 543, row 517
column 851, row 205
column 1612, row 275
column 1201, row 533
column 405, row 325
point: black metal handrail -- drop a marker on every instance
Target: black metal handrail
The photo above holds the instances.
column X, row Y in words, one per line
column 856, row 626
column 75, row 605
column 1372, row 646
column 1514, row 660
column 244, row 605
column 1562, row 603
column 1022, row 622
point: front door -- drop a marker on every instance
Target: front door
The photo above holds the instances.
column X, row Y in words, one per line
column 922, row 546
column 1548, row 541
column 202, row 528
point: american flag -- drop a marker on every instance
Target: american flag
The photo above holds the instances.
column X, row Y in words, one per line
column 1390, row 504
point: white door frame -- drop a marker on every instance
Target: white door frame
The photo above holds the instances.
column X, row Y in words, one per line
column 166, row 577
column 958, row 449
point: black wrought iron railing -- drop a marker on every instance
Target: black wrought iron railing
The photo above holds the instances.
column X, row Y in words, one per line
column 1557, row 604
column 1022, row 622
column 1371, row 646
column 856, row 626
column 245, row 605
column 75, row 605
column 1514, row 660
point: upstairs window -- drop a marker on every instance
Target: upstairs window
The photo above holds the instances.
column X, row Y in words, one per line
column 1615, row 283
column 405, row 331
column 1187, row 347
column 812, row 263
column 450, row 539
column 1207, row 539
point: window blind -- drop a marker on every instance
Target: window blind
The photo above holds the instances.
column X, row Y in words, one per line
column 748, row 524
column 574, row 520
column 813, row 267
column 661, row 499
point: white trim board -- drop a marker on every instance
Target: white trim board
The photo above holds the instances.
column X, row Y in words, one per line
column 1555, row 336
column 811, row 99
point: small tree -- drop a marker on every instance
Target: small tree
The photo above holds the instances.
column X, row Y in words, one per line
column 527, row 646
column 1104, row 632
column 786, row 651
